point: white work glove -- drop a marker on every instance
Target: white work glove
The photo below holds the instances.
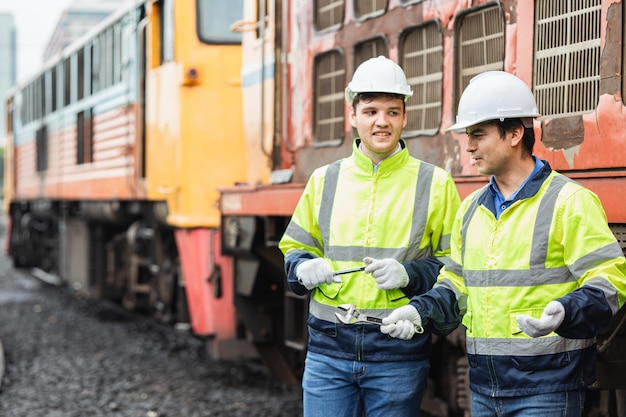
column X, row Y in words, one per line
column 550, row 320
column 388, row 273
column 314, row 272
column 403, row 323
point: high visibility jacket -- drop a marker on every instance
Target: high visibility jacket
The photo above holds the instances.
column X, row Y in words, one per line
column 552, row 243
column 404, row 210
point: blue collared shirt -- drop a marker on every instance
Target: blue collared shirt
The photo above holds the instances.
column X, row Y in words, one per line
column 499, row 202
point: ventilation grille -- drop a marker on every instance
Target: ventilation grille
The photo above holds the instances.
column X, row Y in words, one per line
column 329, row 98
column 422, row 59
column 328, row 14
column 567, row 62
column 481, row 45
column 369, row 8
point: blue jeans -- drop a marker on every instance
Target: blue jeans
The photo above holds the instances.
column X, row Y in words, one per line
column 343, row 388
column 554, row 404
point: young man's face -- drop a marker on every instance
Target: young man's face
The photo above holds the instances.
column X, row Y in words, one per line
column 379, row 123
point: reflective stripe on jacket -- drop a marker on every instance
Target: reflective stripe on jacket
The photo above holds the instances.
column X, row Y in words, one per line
column 552, row 243
column 348, row 210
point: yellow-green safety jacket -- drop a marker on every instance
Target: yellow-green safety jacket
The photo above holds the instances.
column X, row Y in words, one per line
column 404, row 210
column 552, row 243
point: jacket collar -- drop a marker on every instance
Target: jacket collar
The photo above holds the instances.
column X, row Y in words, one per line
column 528, row 190
column 391, row 163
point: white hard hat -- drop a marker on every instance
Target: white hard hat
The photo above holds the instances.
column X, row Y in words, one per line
column 378, row 75
column 495, row 95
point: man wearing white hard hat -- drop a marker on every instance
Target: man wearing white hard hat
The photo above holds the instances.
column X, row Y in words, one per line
column 369, row 232
column 534, row 272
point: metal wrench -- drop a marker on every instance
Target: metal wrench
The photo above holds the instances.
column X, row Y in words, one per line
column 351, row 315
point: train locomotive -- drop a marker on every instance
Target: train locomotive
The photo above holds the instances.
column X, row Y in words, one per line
column 157, row 160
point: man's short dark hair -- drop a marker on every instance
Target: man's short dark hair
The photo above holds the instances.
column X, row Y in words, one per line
column 368, row 97
column 528, row 139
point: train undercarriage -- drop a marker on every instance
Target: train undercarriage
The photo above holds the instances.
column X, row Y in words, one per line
column 120, row 251
column 127, row 253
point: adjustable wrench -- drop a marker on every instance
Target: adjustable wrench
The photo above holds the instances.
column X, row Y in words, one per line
column 351, row 315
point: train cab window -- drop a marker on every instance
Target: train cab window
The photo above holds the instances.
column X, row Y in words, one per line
column 215, row 18
column 328, row 101
column 567, row 56
column 366, row 9
column 421, row 57
column 328, row 14
column 370, row 48
column 480, row 44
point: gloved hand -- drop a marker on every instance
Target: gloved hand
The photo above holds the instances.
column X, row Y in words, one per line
column 388, row 273
column 403, row 323
column 550, row 320
column 314, row 272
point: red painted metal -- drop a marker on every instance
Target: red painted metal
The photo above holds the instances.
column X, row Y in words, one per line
column 199, row 255
column 270, row 200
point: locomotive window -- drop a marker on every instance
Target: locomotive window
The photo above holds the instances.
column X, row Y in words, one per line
column 370, row 49
column 24, row 106
column 95, row 66
column 328, row 14
column 369, row 8
column 29, row 102
column 421, row 56
column 329, row 77
column 67, row 72
column 87, row 70
column 215, row 18
column 567, row 56
column 80, row 79
column 106, row 71
column 480, row 45
column 102, row 60
column 84, row 137
column 41, row 144
column 53, row 89
column 39, row 97
column 117, row 54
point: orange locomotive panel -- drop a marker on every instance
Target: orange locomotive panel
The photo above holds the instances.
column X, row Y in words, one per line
column 110, row 174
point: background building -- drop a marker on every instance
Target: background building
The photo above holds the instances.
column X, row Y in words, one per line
column 76, row 20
